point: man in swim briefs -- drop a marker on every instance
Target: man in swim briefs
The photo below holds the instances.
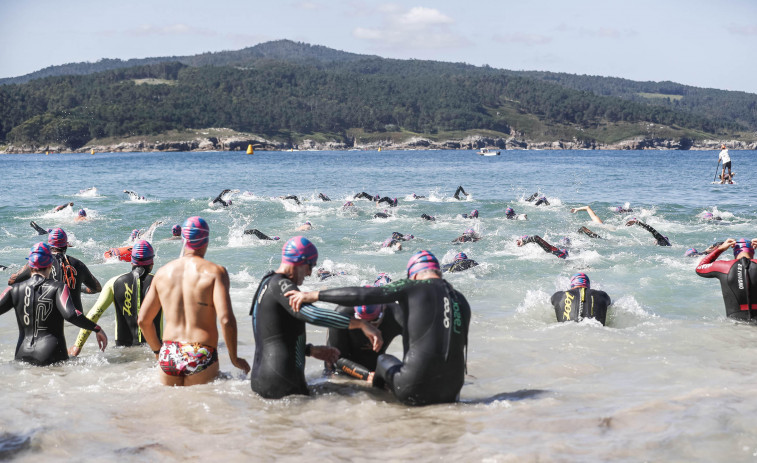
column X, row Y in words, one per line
column 193, row 292
column 661, row 240
column 280, row 338
column 580, row 301
column 435, row 319
column 738, row 277
column 126, row 293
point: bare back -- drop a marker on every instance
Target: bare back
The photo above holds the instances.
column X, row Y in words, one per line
column 189, row 289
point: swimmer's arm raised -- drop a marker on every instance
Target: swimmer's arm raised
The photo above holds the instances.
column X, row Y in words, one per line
column 589, row 210
column 147, row 313
column 222, row 303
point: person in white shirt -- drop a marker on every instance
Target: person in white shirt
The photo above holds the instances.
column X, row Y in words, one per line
column 726, row 159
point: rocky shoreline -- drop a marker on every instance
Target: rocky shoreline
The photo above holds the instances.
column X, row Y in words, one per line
column 240, row 143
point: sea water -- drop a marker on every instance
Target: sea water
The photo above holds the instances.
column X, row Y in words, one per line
column 669, row 378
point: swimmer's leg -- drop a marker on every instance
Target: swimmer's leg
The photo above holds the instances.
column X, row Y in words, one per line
column 386, row 367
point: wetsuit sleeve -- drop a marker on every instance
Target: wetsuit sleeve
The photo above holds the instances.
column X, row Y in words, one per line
column 22, row 275
column 661, row 240
column 6, row 300
column 66, row 308
column 94, row 314
column 544, row 245
column 88, row 279
column 710, row 268
column 359, row 295
column 310, row 313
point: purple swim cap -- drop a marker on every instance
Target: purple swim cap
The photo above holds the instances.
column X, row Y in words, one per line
column 743, row 245
column 195, row 232
column 474, row 213
column 461, row 256
column 422, row 260
column 134, row 234
column 580, row 280
column 57, row 238
column 142, row 253
column 383, row 279
column 368, row 312
column 40, row 256
column 176, row 230
column 509, row 212
column 470, row 231
column 299, row 251
column 707, row 215
column 618, row 209
column 82, row 213
column 565, row 241
column 690, row 252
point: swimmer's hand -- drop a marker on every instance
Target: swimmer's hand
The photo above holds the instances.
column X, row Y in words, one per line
column 74, row 351
column 297, row 298
column 574, row 210
column 754, row 243
column 325, row 353
column 727, row 244
column 370, row 332
column 631, row 222
column 241, row 364
column 102, row 340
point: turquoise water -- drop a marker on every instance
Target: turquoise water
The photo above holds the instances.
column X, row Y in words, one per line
column 669, row 377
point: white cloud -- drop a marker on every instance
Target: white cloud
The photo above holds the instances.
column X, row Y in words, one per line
column 411, row 29
column 424, row 16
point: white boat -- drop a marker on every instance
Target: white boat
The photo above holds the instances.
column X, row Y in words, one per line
column 488, row 152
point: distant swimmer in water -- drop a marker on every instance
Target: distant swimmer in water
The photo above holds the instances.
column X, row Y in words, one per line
column 125, row 292
column 3, row 267
column 692, row 252
column 81, row 216
column 532, row 197
column 146, row 234
column 260, row 234
column 224, row 198
column 63, row 206
column 469, row 235
column 461, row 262
column 40, row 230
column 458, row 191
column 523, row 240
column 193, row 293
column 589, row 210
column 41, row 305
column 473, row 214
column 293, row 198
column 395, row 245
column 580, row 301
column 709, row 216
column 428, row 217
column 323, row 274
column 415, row 196
column 134, row 196
column 622, row 209
column 175, row 232
column 323, row 197
column 304, row 227
column 279, row 328
column 661, row 240
column 356, row 355
column 364, row 195
column 434, row 319
column 392, row 202
column 348, row 205
column 589, row 233
column 402, row 237
column 381, row 215
column 511, row 215
column 738, row 277
column 541, row 200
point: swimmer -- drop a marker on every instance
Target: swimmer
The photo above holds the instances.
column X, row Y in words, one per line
column 532, row 197
column 40, row 230
column 280, row 336
column 293, row 198
column 3, row 267
column 580, row 301
column 323, row 274
column 133, row 195
column 622, row 209
column 66, row 269
column 392, row 202
column 738, row 277
column 41, row 305
column 356, row 357
column 473, row 214
column 469, row 235
column 81, row 216
column 661, row 240
column 63, row 206
column 175, row 232
column 434, row 319
column 142, row 234
column 542, row 200
column 125, row 292
column 589, row 233
column 392, row 243
column 304, row 227
column 192, row 292
column 460, row 263
column 511, row 215
column 428, row 217
column 223, row 199
column 523, row 240
column 381, row 215
column 348, row 205
column 400, row 237
column 323, row 197
column 710, row 216
column 458, row 191
column 589, row 210
column 261, row 235
column 364, row 195
column 415, row 196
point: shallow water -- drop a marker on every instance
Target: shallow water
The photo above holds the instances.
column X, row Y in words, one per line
column 668, row 378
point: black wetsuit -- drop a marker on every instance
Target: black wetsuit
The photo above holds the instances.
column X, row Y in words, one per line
column 41, row 306
column 68, row 270
column 388, row 200
column 435, row 319
column 257, row 233
column 380, row 215
column 465, row 238
column 365, row 195
column 354, row 346
column 738, row 283
column 126, row 292
column 661, row 240
column 561, row 253
column 542, row 200
column 459, row 265
column 588, row 232
column 3, row 267
column 428, row 217
column 40, row 230
column 458, row 191
column 323, row 197
column 279, row 366
column 219, row 199
column 532, row 197
column 293, row 198
column 578, row 303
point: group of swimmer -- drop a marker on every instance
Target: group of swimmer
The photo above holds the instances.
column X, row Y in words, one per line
column 177, row 311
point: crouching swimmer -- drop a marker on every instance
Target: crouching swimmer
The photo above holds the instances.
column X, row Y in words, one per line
column 738, row 277
column 580, row 301
column 435, row 319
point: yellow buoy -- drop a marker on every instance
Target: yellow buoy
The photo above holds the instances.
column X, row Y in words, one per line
column 93, row 151
column 47, row 153
column 379, row 148
column 249, row 149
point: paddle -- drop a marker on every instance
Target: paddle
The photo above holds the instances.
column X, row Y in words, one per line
column 716, row 170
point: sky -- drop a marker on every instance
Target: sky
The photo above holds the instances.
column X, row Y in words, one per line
column 705, row 43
